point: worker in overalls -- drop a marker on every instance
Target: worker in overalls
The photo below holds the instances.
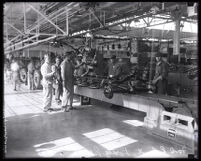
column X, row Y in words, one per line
column 47, row 73
column 81, row 70
column 31, row 68
column 57, row 81
column 67, row 75
column 15, row 68
column 161, row 75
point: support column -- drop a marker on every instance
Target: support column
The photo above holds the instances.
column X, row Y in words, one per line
column 28, row 53
column 176, row 14
column 7, row 40
column 176, row 49
column 24, row 7
column 40, row 55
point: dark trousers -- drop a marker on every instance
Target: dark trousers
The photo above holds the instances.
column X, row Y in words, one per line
column 161, row 87
column 58, row 91
column 67, row 98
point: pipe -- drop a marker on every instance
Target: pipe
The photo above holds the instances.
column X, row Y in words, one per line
column 45, row 34
column 33, row 44
column 67, row 22
column 23, row 41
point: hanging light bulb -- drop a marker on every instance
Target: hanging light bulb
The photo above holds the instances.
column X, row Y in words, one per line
column 119, row 46
column 113, row 46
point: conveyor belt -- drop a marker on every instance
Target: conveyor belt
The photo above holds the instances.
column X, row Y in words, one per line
column 98, row 94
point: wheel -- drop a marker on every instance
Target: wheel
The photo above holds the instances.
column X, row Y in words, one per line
column 108, row 92
column 23, row 75
column 94, row 86
column 83, row 84
column 37, row 79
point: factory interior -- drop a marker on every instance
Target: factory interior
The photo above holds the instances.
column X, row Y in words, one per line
column 100, row 79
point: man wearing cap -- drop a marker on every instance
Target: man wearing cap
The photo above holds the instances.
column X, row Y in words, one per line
column 161, row 75
column 114, row 68
column 47, row 74
column 67, row 74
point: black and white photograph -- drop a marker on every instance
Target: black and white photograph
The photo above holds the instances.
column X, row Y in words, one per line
column 100, row 80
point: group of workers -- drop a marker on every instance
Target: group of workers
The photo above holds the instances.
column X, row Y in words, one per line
column 160, row 80
column 12, row 69
column 61, row 77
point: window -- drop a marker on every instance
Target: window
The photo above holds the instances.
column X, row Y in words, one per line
column 183, row 122
column 166, row 118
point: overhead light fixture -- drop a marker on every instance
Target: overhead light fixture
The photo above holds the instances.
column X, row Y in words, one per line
column 113, row 46
column 119, row 46
column 89, row 34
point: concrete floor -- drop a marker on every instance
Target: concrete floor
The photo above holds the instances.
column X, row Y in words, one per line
column 98, row 130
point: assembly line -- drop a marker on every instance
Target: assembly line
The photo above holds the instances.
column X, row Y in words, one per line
column 79, row 76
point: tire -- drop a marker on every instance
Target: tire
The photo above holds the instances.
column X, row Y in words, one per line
column 108, row 92
column 37, row 79
column 23, row 75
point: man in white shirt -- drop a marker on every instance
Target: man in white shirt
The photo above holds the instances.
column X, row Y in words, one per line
column 47, row 81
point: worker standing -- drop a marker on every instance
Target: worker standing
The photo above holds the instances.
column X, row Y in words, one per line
column 67, row 74
column 31, row 68
column 57, row 81
column 81, row 68
column 161, row 75
column 47, row 74
column 114, row 70
column 15, row 68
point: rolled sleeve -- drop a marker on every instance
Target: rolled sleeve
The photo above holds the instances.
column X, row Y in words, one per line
column 62, row 71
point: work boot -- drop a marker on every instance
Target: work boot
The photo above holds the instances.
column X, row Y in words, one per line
column 72, row 108
column 45, row 110
column 64, row 109
column 48, row 110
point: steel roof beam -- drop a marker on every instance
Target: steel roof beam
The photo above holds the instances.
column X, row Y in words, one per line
column 56, row 14
column 45, row 17
column 96, row 17
column 15, row 28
